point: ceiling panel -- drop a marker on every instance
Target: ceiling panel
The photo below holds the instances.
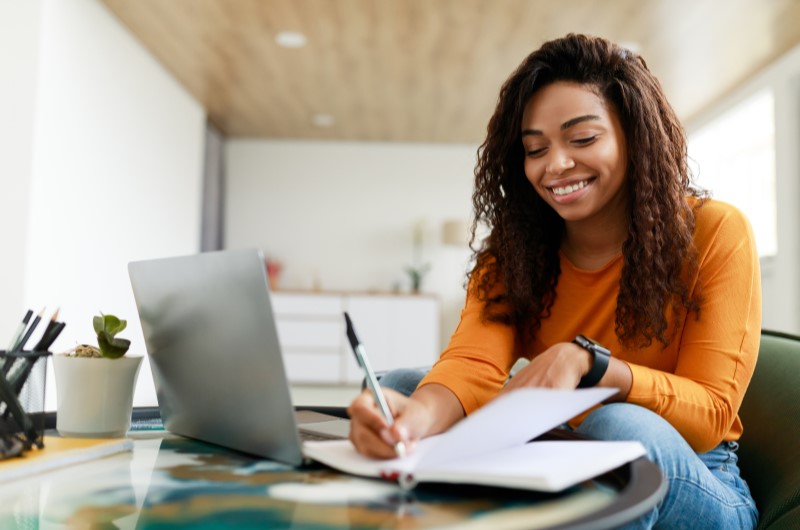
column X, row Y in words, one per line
column 430, row 70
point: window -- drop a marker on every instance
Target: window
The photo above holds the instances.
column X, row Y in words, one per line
column 733, row 156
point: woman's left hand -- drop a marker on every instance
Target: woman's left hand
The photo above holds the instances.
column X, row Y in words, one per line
column 559, row 366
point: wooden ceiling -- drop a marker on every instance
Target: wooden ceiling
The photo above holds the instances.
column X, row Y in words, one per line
column 430, row 70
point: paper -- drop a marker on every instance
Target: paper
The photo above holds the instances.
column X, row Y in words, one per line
column 59, row 452
column 489, row 447
column 513, row 419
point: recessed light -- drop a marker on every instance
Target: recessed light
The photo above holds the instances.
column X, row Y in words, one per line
column 323, row 120
column 290, row 39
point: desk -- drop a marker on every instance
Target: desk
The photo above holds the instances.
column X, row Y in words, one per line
column 173, row 482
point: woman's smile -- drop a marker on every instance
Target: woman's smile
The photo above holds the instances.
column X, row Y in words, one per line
column 570, row 191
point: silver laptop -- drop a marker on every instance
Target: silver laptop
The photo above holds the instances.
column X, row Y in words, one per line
column 215, row 356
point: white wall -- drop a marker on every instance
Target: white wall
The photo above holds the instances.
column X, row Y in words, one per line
column 780, row 278
column 116, row 173
column 340, row 215
column 19, row 50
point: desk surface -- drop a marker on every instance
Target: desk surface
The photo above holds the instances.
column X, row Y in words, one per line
column 169, row 481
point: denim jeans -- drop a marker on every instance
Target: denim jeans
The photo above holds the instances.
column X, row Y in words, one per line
column 705, row 490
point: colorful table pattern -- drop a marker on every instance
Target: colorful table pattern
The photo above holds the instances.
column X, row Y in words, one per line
column 172, row 482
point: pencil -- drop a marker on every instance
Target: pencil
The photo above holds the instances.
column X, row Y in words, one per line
column 50, row 338
column 46, row 340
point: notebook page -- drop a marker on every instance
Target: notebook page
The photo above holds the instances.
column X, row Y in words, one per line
column 342, row 455
column 510, row 420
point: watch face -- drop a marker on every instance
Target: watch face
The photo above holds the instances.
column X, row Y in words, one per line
column 590, row 344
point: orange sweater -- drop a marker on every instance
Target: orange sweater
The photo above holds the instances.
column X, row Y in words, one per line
column 697, row 383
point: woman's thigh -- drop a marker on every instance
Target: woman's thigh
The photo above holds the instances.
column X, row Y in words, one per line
column 704, row 490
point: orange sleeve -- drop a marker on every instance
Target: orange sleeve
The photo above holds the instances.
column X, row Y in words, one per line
column 717, row 351
column 478, row 359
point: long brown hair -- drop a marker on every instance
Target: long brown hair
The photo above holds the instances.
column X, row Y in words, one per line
column 521, row 252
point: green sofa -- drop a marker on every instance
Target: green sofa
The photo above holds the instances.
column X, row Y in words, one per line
column 769, row 453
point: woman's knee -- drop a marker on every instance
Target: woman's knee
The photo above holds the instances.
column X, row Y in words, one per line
column 625, row 421
column 403, row 380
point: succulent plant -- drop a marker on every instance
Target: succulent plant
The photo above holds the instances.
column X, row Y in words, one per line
column 111, row 347
column 107, row 327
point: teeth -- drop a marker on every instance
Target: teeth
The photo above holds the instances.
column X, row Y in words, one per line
column 569, row 189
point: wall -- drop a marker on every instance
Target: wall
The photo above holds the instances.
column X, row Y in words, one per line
column 780, row 280
column 19, row 50
column 340, row 215
column 116, row 173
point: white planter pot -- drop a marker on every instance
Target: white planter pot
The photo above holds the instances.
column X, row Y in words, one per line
column 95, row 396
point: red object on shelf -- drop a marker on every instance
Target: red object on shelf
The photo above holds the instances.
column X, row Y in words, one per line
column 273, row 272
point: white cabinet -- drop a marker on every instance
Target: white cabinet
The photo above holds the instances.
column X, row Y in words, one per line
column 310, row 333
column 396, row 331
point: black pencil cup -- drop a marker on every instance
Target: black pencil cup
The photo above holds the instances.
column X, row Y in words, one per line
column 22, row 391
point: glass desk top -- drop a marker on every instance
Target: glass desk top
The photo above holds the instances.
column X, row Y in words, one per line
column 172, row 482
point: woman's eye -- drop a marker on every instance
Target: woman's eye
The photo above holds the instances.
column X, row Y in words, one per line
column 584, row 141
column 534, row 153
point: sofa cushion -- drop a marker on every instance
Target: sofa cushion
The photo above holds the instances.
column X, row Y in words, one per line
column 769, row 454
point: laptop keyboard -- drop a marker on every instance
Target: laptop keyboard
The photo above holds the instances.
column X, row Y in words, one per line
column 316, row 437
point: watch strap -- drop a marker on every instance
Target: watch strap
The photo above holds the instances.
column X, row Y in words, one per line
column 600, row 360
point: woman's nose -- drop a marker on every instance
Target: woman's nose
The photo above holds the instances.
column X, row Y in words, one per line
column 560, row 162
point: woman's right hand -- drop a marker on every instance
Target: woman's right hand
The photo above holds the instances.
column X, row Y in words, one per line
column 374, row 437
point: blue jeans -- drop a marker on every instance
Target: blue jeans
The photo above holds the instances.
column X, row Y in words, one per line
column 705, row 489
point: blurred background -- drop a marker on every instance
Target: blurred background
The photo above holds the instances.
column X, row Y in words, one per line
column 339, row 137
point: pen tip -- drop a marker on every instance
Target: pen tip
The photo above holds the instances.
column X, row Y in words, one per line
column 400, row 449
column 41, row 313
column 55, row 315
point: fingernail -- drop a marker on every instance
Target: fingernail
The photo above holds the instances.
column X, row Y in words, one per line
column 387, row 437
column 403, row 432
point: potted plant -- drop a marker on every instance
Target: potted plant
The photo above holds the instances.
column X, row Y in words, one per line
column 416, row 271
column 94, row 384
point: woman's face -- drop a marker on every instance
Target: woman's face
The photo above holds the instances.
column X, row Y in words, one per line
column 575, row 153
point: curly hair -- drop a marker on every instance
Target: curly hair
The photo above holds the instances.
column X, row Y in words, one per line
column 520, row 254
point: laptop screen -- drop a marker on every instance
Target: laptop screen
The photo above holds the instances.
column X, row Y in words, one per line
column 214, row 352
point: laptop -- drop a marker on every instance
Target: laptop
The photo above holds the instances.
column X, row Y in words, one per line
column 215, row 356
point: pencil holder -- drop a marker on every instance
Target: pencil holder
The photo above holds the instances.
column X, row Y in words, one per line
column 22, row 391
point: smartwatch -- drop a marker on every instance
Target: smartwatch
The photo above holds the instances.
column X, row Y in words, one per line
column 600, row 358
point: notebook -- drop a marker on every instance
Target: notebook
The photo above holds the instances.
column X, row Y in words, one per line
column 491, row 447
column 215, row 357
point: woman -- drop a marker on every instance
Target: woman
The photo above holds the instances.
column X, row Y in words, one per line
column 597, row 233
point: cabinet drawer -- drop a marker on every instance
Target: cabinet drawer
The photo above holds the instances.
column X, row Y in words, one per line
column 312, row 367
column 325, row 334
column 305, row 306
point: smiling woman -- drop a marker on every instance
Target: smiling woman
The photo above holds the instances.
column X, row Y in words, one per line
column 604, row 266
column 575, row 159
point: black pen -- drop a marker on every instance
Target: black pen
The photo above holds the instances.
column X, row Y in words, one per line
column 21, row 344
column 20, row 329
column 372, row 381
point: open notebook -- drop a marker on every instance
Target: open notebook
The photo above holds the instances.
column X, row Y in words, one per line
column 490, row 447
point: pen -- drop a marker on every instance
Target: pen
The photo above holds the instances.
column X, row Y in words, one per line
column 21, row 338
column 372, row 381
column 21, row 344
column 20, row 330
